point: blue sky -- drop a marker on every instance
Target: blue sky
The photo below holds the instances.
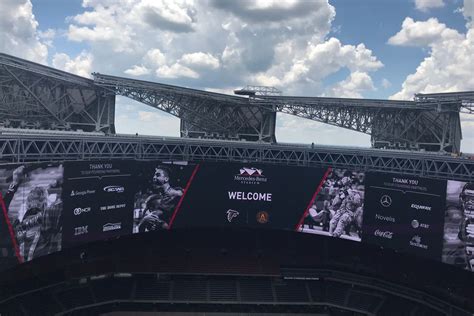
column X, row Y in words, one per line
column 368, row 48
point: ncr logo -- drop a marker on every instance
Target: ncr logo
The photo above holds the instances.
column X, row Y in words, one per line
column 80, row 210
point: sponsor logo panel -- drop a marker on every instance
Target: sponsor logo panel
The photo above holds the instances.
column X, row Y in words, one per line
column 111, row 226
column 112, row 207
column 81, row 192
column 81, row 230
column 114, row 189
column 80, row 210
column 383, row 234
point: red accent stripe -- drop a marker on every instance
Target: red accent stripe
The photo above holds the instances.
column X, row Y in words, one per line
column 176, row 210
column 297, row 228
column 10, row 230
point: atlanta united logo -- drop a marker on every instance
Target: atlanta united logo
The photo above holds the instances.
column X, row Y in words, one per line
column 262, row 217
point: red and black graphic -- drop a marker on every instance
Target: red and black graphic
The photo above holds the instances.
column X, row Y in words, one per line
column 162, row 187
column 337, row 207
column 31, row 207
column 250, row 195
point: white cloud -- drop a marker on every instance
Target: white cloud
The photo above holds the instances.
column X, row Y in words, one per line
column 137, row 71
column 19, row 34
column 155, row 57
column 200, row 60
column 176, row 71
column 423, row 33
column 448, row 67
column 177, row 15
column 80, row 65
column 221, row 45
column 352, row 86
column 426, row 5
column 319, row 61
column 281, row 43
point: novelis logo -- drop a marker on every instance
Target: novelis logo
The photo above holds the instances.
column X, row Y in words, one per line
column 114, row 189
column 82, row 193
column 80, row 210
column 385, row 218
column 231, row 214
column 384, row 234
column 250, row 176
column 81, row 230
column 111, row 226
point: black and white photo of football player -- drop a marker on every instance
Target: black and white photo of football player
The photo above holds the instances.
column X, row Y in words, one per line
column 338, row 208
column 155, row 203
column 33, row 203
column 458, row 247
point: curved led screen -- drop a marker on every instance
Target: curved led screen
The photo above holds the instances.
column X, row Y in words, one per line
column 50, row 206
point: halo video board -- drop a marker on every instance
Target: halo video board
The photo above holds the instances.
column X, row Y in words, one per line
column 50, row 206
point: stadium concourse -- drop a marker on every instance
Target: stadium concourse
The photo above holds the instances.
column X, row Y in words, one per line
column 225, row 220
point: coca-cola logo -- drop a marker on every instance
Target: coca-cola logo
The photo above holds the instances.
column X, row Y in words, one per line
column 383, row 234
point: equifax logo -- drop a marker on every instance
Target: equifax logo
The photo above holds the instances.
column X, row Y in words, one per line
column 114, row 189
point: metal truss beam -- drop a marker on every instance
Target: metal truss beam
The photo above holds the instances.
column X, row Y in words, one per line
column 203, row 114
column 391, row 124
column 39, row 97
column 23, row 148
column 464, row 100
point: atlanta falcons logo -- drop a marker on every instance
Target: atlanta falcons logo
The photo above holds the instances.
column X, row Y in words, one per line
column 231, row 214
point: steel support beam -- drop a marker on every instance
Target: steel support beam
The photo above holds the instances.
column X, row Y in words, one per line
column 203, row 114
column 38, row 97
column 22, row 148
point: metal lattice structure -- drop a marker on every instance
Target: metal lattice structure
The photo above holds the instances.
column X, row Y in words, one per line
column 391, row 124
column 463, row 99
column 75, row 146
column 40, row 97
column 203, row 114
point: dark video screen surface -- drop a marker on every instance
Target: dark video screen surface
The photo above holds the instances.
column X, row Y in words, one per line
column 47, row 207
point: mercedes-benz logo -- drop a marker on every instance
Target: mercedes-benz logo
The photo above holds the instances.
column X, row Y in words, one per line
column 386, row 200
